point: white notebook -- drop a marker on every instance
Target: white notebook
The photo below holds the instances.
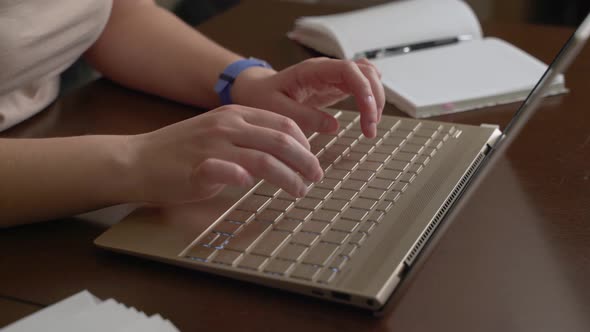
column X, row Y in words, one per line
column 431, row 53
column 85, row 312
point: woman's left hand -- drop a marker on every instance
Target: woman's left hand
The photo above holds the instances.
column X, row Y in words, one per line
column 302, row 90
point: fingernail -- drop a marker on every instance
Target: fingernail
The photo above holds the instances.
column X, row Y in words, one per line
column 370, row 100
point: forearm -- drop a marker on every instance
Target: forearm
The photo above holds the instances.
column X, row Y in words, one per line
column 147, row 48
column 51, row 178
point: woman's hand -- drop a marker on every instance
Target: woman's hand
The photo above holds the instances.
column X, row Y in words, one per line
column 231, row 145
column 300, row 91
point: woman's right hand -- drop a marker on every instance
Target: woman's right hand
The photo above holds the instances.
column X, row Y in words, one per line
column 231, row 145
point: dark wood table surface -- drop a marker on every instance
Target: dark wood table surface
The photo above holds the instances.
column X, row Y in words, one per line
column 516, row 257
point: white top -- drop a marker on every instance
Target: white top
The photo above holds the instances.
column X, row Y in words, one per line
column 39, row 39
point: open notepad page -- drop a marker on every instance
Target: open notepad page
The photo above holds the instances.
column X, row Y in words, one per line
column 455, row 78
column 85, row 312
column 392, row 24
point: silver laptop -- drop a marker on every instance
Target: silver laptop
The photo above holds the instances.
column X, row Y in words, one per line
column 358, row 231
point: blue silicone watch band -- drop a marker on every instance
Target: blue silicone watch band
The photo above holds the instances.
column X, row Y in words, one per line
column 227, row 78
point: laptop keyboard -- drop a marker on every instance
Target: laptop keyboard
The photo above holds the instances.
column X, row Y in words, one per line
column 314, row 237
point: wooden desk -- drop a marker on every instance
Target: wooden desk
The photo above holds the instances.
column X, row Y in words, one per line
column 11, row 310
column 515, row 259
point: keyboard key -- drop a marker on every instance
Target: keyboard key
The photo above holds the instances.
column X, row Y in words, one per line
column 335, row 173
column 393, row 196
column 320, row 254
column 280, row 205
column 240, row 216
column 348, row 250
column 415, row 168
column 267, row 189
column 355, row 185
column 409, row 125
column 425, row 132
column 389, row 174
column 270, row 216
column 383, row 184
column 354, row 214
column 338, row 262
column 379, row 157
column 407, row 177
column 384, row 206
column 336, row 237
column 319, row 193
column 327, row 158
column 371, row 166
column 309, row 203
column 305, row 239
column 298, row 214
column 322, row 140
column 315, row 227
column 349, row 116
column 386, row 149
column 372, row 141
column 358, row 238
column 344, row 194
column 254, row 203
column 373, row 193
column 388, row 123
column 305, row 272
column 393, row 141
column 362, row 175
column 353, row 132
column 248, row 236
column 355, row 156
column 252, row 262
column 400, row 133
column 346, row 165
column 220, row 241
column 346, row 141
column 338, row 149
column 200, row 252
column 416, row 140
column 327, row 276
column 227, row 257
column 278, row 266
column 411, row 148
column 270, row 243
column 422, row 160
column 362, row 148
column 336, row 205
column 429, row 152
column 288, row 225
column 327, row 184
column 376, row 216
column 367, row 227
column 363, row 204
column 324, row 215
column 344, row 225
column 286, row 196
column 292, row 252
column 208, row 239
column 397, row 165
column 400, row 186
column 227, row 227
column 405, row 156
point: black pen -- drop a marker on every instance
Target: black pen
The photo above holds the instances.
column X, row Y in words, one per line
column 402, row 49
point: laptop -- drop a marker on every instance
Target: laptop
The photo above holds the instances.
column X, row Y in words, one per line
column 355, row 235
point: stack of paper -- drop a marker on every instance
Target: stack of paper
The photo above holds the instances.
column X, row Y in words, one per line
column 85, row 312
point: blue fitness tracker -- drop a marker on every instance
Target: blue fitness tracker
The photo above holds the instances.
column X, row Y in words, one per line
column 227, row 78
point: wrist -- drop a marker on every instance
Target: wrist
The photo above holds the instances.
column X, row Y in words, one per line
column 122, row 183
column 224, row 87
column 241, row 89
